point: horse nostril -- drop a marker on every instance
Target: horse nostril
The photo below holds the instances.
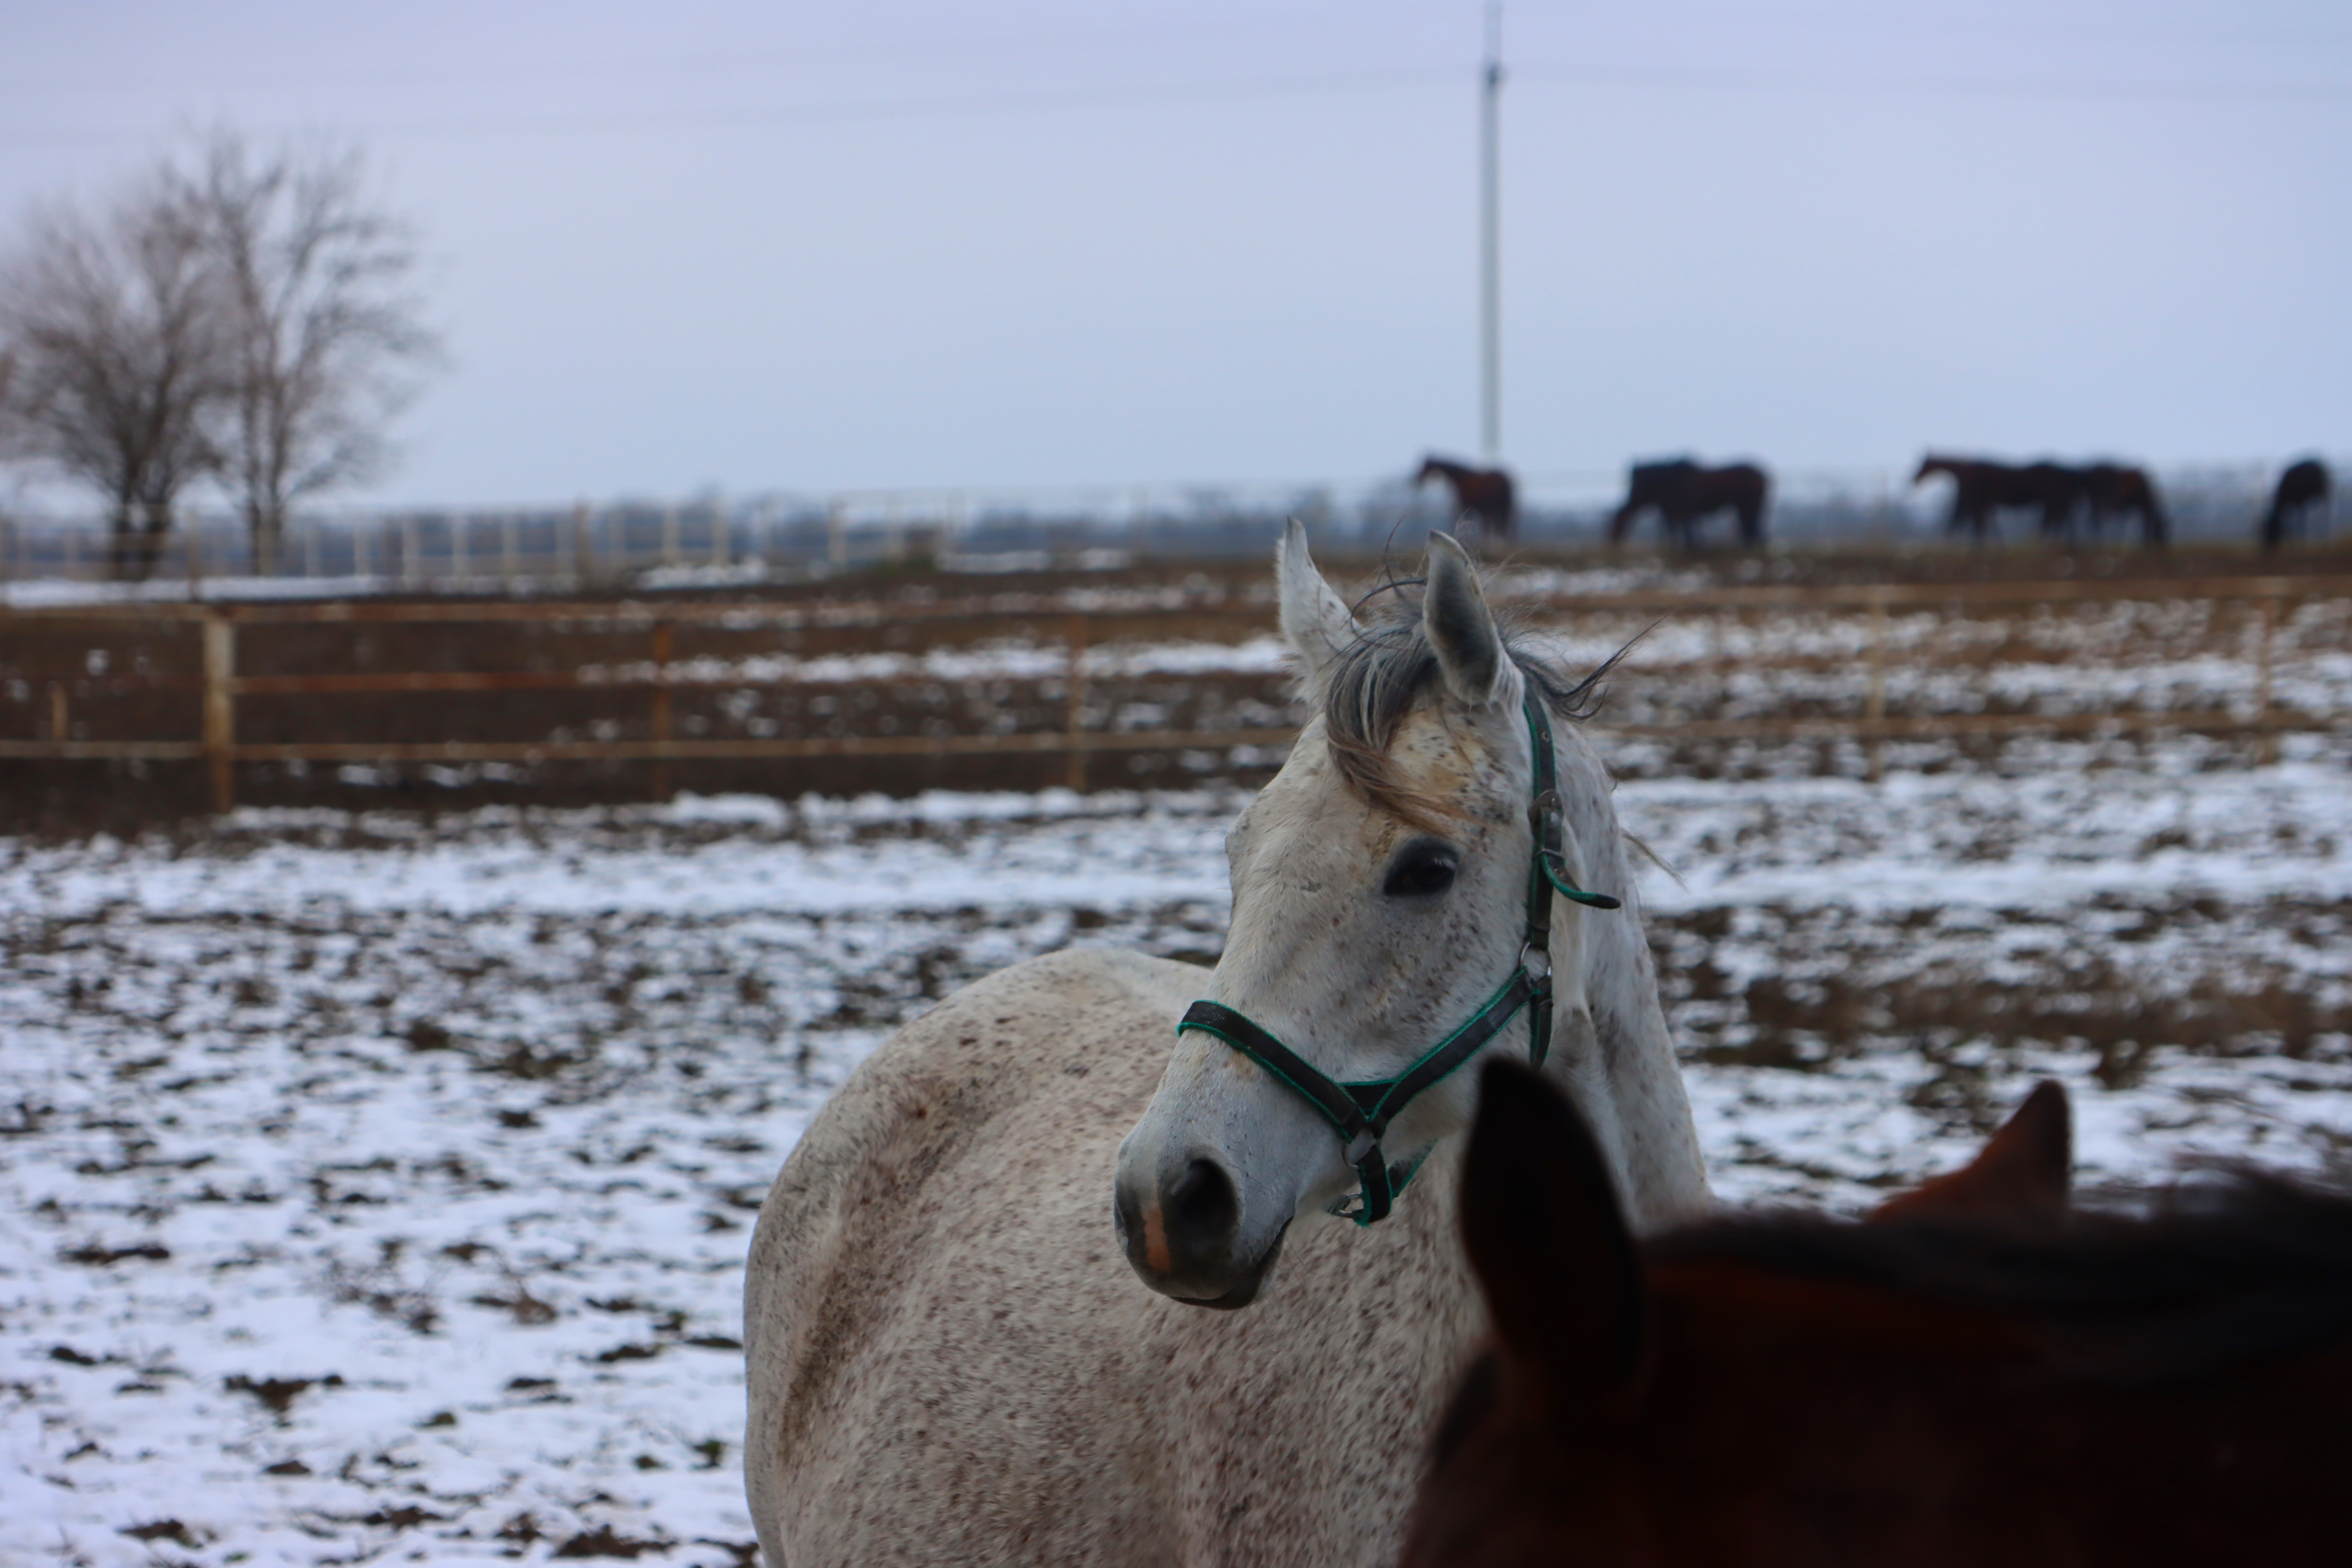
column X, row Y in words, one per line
column 1203, row 1210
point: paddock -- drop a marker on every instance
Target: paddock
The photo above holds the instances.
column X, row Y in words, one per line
column 379, row 1178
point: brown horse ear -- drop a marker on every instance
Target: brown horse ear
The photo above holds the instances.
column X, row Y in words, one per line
column 1551, row 1246
column 1459, row 625
column 2024, row 1173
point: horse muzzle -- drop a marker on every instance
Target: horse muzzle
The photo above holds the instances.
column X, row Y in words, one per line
column 1183, row 1237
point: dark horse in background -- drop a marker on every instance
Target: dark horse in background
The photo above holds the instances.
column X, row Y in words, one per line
column 1685, row 493
column 2302, row 490
column 2117, row 491
column 1487, row 494
column 2055, row 493
column 1982, row 490
column 1981, row 1376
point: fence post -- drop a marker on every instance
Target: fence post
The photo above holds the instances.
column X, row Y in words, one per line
column 583, row 547
column 1874, row 706
column 661, row 709
column 1074, row 639
column 2267, row 748
column 220, row 707
column 669, row 535
column 60, row 719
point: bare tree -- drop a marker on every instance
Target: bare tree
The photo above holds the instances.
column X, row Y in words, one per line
column 326, row 339
column 111, row 328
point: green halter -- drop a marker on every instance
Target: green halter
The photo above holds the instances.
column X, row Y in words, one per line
column 1360, row 1112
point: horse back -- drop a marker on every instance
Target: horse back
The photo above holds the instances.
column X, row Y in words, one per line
column 994, row 1099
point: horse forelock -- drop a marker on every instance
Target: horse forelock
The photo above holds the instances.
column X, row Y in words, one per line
column 1380, row 678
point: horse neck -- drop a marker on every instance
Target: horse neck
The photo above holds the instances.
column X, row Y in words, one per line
column 1611, row 1050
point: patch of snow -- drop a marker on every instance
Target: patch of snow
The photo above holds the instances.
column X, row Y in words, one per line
column 376, row 1186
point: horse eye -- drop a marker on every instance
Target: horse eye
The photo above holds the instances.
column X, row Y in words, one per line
column 1423, row 869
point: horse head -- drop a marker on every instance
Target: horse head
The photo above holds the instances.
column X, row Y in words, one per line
column 1380, row 890
column 1983, row 1378
column 1574, row 1357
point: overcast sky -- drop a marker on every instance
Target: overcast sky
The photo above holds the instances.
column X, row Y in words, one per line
column 909, row 242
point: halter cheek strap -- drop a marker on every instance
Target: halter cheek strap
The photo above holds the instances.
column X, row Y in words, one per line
column 1360, row 1112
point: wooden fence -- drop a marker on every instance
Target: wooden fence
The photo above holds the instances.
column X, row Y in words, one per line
column 220, row 686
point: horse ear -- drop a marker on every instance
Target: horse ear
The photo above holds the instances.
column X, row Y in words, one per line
column 1314, row 619
column 1459, row 625
column 1551, row 1246
column 2023, row 1172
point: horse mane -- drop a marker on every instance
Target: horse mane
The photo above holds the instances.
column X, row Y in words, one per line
column 2220, row 1273
column 1376, row 679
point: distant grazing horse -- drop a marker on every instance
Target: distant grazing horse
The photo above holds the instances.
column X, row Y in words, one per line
column 1685, row 493
column 1982, row 489
column 979, row 1305
column 1487, row 494
column 2116, row 492
column 1941, row 1386
column 2302, row 490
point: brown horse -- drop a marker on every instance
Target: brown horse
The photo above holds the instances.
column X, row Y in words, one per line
column 1487, row 494
column 2116, row 492
column 2024, row 1173
column 1940, row 1387
column 1685, row 493
column 2302, row 490
column 1982, row 489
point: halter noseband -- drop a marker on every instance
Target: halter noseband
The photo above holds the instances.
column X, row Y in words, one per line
column 1360, row 1112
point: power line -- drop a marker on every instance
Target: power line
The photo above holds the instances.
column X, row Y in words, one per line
column 2054, row 88
column 1778, row 21
column 2255, row 94
column 900, row 52
column 838, row 111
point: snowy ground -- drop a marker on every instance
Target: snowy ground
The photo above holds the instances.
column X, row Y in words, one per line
column 377, row 1190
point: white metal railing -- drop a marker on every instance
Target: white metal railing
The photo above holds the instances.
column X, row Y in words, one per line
column 784, row 537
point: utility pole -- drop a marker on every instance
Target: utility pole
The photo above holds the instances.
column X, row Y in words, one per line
column 1490, row 264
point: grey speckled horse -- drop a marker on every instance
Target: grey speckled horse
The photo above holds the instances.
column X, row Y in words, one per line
column 955, row 1354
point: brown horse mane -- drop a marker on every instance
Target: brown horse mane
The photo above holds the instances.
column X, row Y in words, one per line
column 2223, row 1271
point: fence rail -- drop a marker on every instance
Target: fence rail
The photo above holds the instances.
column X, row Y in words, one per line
column 220, row 687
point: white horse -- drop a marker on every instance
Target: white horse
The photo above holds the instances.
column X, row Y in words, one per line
column 949, row 1360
